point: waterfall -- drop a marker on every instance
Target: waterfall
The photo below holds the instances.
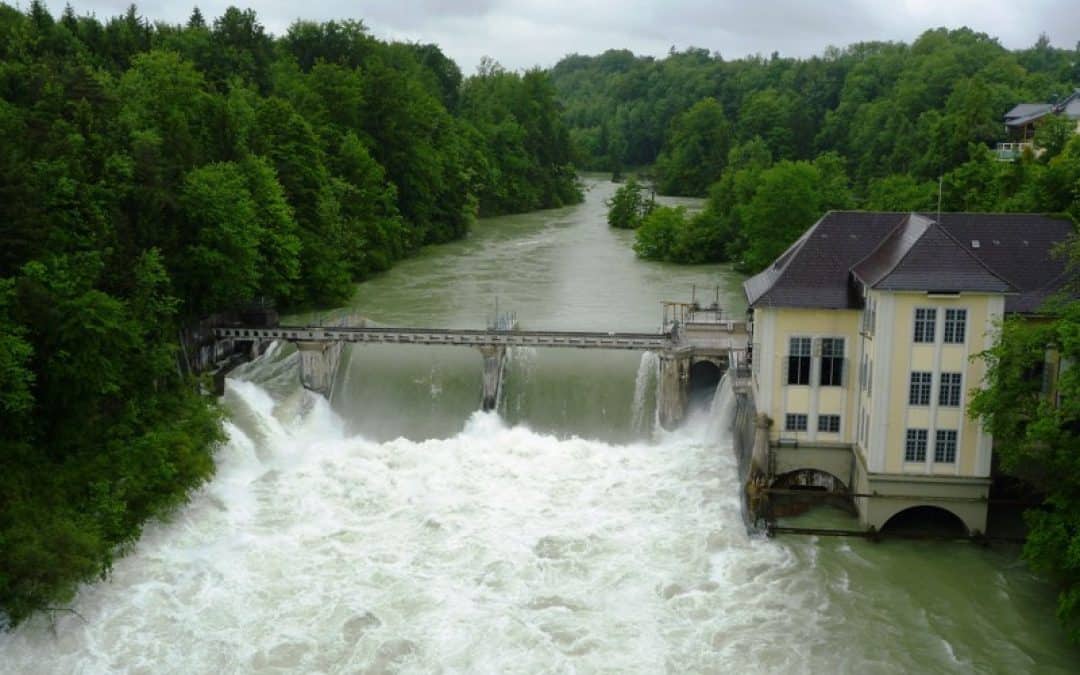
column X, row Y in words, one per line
column 644, row 385
column 722, row 410
column 522, row 361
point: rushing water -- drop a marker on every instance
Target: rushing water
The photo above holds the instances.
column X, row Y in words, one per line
column 398, row 530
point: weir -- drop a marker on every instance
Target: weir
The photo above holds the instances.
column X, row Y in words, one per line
column 695, row 346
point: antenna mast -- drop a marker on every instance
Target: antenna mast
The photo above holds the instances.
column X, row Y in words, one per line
column 939, row 181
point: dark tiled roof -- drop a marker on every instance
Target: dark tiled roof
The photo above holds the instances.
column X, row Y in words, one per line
column 1027, row 109
column 919, row 255
column 1025, row 113
column 814, row 271
column 968, row 251
column 1019, row 247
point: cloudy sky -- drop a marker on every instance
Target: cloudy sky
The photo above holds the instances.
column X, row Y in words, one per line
column 524, row 33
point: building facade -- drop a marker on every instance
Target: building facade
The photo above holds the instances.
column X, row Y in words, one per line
column 865, row 343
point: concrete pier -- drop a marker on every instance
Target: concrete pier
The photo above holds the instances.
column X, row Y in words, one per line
column 319, row 363
column 494, row 363
column 672, row 397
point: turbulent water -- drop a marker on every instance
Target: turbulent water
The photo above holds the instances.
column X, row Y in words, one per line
column 398, row 530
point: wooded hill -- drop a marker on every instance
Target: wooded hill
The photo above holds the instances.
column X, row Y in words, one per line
column 774, row 142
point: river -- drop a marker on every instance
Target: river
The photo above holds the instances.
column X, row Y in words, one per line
column 399, row 530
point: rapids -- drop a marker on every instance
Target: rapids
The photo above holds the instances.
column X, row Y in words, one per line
column 398, row 530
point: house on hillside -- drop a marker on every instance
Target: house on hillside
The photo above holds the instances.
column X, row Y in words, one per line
column 1024, row 118
column 863, row 335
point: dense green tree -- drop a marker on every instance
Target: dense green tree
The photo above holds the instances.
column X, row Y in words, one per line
column 629, row 205
column 1054, row 133
column 221, row 263
column 526, row 159
column 1035, row 419
column 658, row 236
column 696, row 151
column 901, row 192
column 790, row 197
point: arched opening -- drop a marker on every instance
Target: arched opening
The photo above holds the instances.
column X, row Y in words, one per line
column 810, row 480
column 925, row 521
column 798, row 491
column 704, row 378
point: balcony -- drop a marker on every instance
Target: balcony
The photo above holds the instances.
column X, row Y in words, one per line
column 1011, row 151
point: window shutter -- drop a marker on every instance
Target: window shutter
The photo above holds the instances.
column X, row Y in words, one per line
column 785, row 368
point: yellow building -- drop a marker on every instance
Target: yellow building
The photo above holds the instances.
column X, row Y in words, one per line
column 865, row 338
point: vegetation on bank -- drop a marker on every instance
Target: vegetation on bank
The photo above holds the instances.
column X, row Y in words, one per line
column 882, row 121
column 1035, row 419
column 153, row 173
column 629, row 205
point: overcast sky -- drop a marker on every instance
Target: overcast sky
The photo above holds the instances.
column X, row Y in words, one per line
column 524, row 33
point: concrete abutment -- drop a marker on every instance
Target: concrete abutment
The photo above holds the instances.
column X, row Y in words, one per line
column 319, row 362
column 780, row 474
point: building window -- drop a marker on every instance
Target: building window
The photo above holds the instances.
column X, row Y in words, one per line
column 832, row 362
column 829, row 424
column 925, row 324
column 915, row 446
column 794, row 422
column 799, row 361
column 945, row 447
column 955, row 325
column 949, row 391
column 919, row 391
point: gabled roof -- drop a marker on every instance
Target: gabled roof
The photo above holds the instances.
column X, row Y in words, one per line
column 1025, row 110
column 1006, row 253
column 918, row 255
column 1025, row 113
column 813, row 272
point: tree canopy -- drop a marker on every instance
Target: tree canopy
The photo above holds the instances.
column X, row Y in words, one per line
column 1031, row 404
column 897, row 120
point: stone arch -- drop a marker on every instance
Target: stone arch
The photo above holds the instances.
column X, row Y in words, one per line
column 803, row 489
column 704, row 375
column 925, row 519
column 810, row 480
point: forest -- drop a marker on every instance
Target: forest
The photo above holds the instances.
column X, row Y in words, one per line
column 773, row 143
column 151, row 174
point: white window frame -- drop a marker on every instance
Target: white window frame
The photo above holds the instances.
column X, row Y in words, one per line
column 925, row 327
column 925, row 388
column 828, row 418
column 950, row 390
column 802, row 418
column 950, row 442
column 804, row 351
column 839, row 376
column 915, row 446
column 955, row 326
